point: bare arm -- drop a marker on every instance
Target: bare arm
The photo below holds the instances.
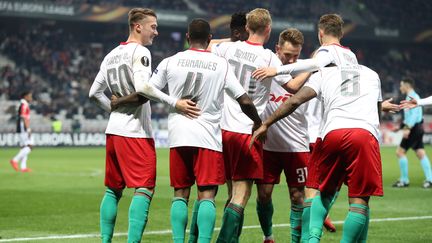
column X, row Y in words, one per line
column 249, row 109
column 132, row 99
column 413, row 103
column 387, row 106
column 296, row 83
column 289, row 106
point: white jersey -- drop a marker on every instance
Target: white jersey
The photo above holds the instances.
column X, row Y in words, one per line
column 245, row 57
column 290, row 133
column 350, row 97
column 121, row 71
column 425, row 101
column 314, row 116
column 202, row 77
column 338, row 55
column 326, row 55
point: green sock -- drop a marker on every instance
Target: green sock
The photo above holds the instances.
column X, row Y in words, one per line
column 295, row 221
column 206, row 220
column 138, row 214
column 319, row 211
column 355, row 223
column 305, row 220
column 193, row 233
column 364, row 233
column 239, row 231
column 108, row 214
column 179, row 217
column 231, row 223
column 265, row 215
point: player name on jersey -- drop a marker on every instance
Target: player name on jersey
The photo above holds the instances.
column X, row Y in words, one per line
column 248, row 56
column 189, row 63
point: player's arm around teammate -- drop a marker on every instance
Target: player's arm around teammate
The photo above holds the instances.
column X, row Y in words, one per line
column 130, row 151
column 413, row 103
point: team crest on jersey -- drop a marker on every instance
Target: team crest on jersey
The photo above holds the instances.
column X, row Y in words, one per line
column 145, row 61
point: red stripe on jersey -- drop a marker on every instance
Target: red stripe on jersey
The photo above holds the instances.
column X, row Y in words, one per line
column 25, row 111
column 253, row 43
column 200, row 50
column 125, row 43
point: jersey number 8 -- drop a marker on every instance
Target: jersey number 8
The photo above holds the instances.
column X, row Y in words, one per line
column 350, row 83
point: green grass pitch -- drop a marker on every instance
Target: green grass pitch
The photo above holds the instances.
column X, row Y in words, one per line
column 62, row 195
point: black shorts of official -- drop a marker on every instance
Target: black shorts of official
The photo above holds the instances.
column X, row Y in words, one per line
column 415, row 138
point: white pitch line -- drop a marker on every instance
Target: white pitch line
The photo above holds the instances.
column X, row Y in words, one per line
column 164, row 232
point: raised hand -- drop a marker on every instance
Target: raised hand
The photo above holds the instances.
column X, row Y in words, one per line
column 188, row 108
column 387, row 106
column 263, row 73
column 412, row 103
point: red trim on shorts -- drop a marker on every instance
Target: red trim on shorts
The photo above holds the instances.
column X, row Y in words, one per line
column 242, row 163
column 190, row 164
column 349, row 156
column 130, row 162
column 254, row 43
column 293, row 164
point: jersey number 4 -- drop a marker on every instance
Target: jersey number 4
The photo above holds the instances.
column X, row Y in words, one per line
column 192, row 86
column 120, row 81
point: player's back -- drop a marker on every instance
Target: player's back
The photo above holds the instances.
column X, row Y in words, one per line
column 118, row 69
column 245, row 57
column 200, row 76
column 314, row 116
column 350, row 97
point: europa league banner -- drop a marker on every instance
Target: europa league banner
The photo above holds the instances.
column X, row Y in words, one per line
column 110, row 13
column 82, row 12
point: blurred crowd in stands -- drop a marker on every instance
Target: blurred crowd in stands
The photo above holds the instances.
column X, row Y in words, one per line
column 58, row 62
column 385, row 13
column 59, row 67
column 176, row 5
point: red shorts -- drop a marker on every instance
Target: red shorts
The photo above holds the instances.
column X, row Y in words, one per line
column 242, row 163
column 351, row 156
column 130, row 162
column 312, row 180
column 312, row 146
column 292, row 163
column 188, row 164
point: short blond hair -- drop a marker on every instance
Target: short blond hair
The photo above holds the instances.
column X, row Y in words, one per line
column 258, row 20
column 331, row 24
column 291, row 35
column 137, row 14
